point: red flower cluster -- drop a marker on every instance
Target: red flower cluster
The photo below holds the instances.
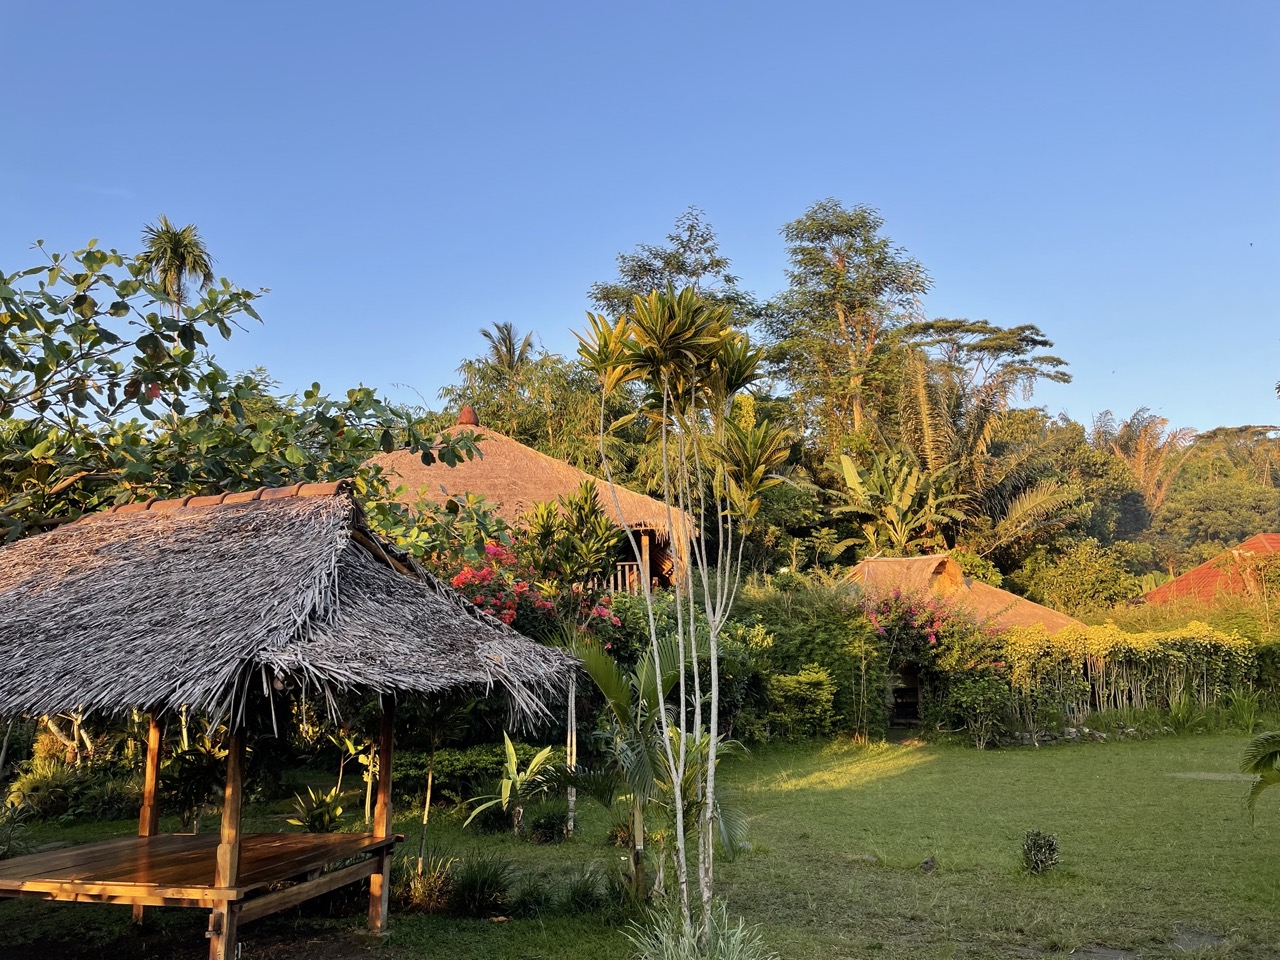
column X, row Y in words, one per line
column 498, row 587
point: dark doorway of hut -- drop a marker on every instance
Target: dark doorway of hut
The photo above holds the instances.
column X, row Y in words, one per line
column 904, row 692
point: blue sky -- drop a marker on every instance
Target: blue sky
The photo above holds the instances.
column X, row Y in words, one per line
column 402, row 174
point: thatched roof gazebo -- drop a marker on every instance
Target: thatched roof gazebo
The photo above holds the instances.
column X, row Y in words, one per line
column 206, row 603
column 513, row 477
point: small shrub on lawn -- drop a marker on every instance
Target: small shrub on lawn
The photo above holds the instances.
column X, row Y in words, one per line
column 547, row 824
column 1242, row 709
column 1185, row 717
column 584, row 891
column 530, row 899
column 480, row 886
column 1039, row 851
column 318, row 812
column 981, row 703
column 108, row 798
column 802, row 704
column 48, row 788
column 429, row 891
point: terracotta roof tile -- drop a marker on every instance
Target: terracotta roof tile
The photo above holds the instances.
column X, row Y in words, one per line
column 1218, row 577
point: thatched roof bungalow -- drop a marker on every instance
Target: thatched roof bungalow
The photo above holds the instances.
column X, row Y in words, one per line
column 940, row 576
column 513, row 477
column 203, row 603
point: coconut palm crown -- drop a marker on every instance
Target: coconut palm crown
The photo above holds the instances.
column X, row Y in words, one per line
column 174, row 255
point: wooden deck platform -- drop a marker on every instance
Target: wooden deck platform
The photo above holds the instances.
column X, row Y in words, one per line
column 178, row 870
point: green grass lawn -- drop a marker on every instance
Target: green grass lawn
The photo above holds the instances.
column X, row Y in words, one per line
column 1160, row 859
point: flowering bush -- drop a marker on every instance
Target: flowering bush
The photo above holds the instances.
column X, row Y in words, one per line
column 926, row 631
column 499, row 586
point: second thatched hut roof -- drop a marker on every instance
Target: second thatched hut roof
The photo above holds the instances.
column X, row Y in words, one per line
column 940, row 576
column 513, row 477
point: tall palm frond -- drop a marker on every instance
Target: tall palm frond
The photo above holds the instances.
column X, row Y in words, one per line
column 1262, row 759
column 1152, row 452
column 508, row 353
column 1046, row 506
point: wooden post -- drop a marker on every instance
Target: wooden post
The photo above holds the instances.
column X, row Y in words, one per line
column 222, row 920
column 149, row 816
column 646, row 563
column 380, row 881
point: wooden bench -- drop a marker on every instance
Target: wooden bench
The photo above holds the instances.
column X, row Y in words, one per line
column 178, row 870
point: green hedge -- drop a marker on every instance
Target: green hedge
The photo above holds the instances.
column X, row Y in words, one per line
column 459, row 774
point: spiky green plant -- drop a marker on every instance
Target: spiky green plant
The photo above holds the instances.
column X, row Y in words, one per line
column 517, row 786
column 902, row 507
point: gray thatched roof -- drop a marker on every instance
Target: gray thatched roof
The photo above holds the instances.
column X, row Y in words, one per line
column 191, row 602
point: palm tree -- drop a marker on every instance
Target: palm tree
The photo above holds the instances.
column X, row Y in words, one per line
column 507, row 354
column 1153, row 453
column 953, row 422
column 634, row 741
column 174, row 255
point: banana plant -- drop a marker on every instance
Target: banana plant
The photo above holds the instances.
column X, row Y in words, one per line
column 901, row 506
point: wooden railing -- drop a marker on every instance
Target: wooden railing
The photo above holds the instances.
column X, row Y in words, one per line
column 625, row 578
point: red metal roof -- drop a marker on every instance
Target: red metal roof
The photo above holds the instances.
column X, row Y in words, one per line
column 1221, row 576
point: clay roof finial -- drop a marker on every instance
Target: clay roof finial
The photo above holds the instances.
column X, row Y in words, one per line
column 467, row 417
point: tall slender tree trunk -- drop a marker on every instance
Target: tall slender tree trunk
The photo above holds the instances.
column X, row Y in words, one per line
column 426, row 810
column 571, row 755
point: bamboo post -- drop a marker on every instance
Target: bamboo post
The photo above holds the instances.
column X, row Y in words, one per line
column 646, row 564
column 380, row 881
column 149, row 816
column 222, row 920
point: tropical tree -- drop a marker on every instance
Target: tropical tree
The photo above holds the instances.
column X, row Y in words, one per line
column 438, row 721
column 82, row 351
column 570, row 542
column 902, row 507
column 509, row 353
column 953, row 414
column 691, row 363
column 632, row 739
column 517, row 786
column 849, row 288
column 536, row 398
column 172, row 257
column 691, row 258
